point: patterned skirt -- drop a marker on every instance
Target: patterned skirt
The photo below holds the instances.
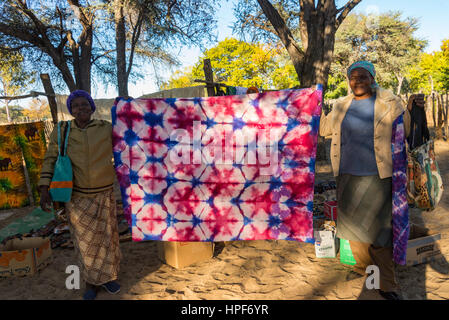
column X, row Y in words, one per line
column 365, row 209
column 94, row 230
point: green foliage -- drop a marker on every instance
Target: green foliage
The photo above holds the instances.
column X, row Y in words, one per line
column 180, row 79
column 2, row 143
column 14, row 79
column 432, row 71
column 75, row 40
column 5, row 206
column 336, row 87
column 238, row 63
column 15, row 112
column 22, row 142
column 445, row 47
column 20, row 114
column 284, row 76
column 25, row 202
column 387, row 40
column 5, row 185
column 42, row 137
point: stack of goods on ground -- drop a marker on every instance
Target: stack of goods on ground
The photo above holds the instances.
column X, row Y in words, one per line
column 324, row 191
column 326, row 243
column 325, row 196
column 53, row 225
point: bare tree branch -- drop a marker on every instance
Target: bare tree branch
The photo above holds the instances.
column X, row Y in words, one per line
column 134, row 39
column 76, row 7
column 105, row 54
column 281, row 28
column 347, row 9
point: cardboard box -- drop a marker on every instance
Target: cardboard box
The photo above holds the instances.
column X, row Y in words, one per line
column 424, row 249
column 330, row 210
column 23, row 257
column 419, row 250
column 326, row 244
column 182, row 254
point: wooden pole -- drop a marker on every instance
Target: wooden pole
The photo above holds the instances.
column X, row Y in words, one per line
column 209, row 76
column 7, row 111
column 45, row 78
column 434, row 111
column 440, row 116
column 446, row 122
column 27, row 181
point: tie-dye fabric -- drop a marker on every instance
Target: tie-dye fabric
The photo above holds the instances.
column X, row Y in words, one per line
column 249, row 195
column 400, row 206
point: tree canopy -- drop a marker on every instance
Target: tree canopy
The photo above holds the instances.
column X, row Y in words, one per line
column 307, row 31
column 390, row 43
column 387, row 40
column 147, row 29
column 238, row 63
column 431, row 73
column 55, row 36
column 71, row 39
column 14, row 79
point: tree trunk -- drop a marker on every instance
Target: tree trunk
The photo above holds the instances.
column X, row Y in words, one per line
column 120, row 43
column 48, row 87
column 61, row 64
column 294, row 51
column 446, row 122
column 82, row 50
column 86, row 60
column 209, row 77
column 400, row 81
column 440, row 117
column 67, row 77
column 434, row 111
column 7, row 111
column 318, row 25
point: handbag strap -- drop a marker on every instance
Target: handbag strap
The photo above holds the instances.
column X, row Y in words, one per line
column 426, row 133
column 66, row 133
column 413, row 130
column 418, row 120
column 62, row 147
column 59, row 137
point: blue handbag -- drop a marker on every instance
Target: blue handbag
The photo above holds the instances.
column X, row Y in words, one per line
column 62, row 182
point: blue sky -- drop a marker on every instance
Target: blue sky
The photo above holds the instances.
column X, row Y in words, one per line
column 433, row 27
column 432, row 14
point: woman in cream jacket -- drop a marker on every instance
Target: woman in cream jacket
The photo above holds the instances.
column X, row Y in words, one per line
column 360, row 125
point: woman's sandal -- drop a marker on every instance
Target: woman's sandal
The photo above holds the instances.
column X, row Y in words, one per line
column 390, row 295
column 90, row 293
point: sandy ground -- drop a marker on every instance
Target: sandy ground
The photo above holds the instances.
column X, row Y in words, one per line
column 241, row 270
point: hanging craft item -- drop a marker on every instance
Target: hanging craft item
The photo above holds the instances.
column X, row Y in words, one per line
column 33, row 145
column 22, row 147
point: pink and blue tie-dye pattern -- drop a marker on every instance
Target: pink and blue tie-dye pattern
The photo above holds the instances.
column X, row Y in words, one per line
column 400, row 206
column 208, row 201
